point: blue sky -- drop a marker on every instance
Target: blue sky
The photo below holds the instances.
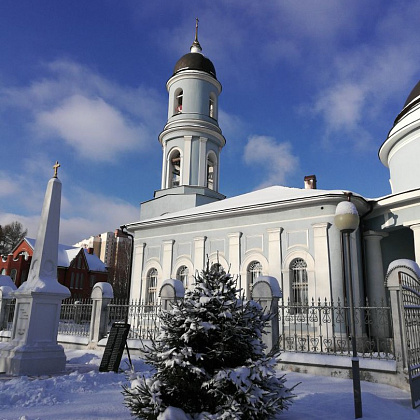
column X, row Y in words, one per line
column 308, row 88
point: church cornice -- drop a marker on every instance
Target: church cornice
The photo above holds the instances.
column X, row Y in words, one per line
column 229, row 212
column 194, row 74
column 191, row 129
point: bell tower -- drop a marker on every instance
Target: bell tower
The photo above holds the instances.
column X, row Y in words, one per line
column 191, row 139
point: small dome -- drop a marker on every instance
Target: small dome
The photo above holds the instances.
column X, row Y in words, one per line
column 413, row 94
column 195, row 61
column 410, row 102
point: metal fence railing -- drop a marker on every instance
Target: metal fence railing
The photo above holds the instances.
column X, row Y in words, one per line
column 320, row 328
column 75, row 317
column 323, row 327
column 143, row 318
column 8, row 316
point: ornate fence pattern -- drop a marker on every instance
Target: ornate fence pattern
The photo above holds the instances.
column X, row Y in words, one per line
column 75, row 317
column 323, row 328
column 142, row 317
column 8, row 316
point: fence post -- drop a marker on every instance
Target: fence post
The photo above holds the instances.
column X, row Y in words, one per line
column 170, row 291
column 5, row 298
column 102, row 294
column 267, row 292
column 392, row 282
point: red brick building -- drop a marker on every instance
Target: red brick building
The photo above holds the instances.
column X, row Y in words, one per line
column 78, row 269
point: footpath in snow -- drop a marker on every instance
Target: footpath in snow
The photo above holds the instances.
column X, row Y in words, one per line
column 85, row 393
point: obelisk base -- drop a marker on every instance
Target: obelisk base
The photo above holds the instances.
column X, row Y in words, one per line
column 33, row 349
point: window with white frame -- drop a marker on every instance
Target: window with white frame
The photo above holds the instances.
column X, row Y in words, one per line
column 182, row 275
column 174, row 169
column 253, row 272
column 211, row 168
column 211, row 107
column 217, row 267
column 152, row 278
column 298, row 284
column 178, row 101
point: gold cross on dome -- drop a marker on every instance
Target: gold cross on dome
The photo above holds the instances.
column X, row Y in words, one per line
column 56, row 166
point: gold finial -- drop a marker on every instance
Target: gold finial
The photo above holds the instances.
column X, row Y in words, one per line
column 196, row 47
column 56, row 166
column 196, row 29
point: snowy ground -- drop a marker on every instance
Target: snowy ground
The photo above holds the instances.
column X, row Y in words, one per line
column 84, row 393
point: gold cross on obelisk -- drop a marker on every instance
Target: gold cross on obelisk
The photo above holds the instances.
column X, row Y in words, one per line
column 56, row 166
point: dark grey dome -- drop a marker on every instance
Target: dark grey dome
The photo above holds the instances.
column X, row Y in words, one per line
column 195, row 61
column 415, row 93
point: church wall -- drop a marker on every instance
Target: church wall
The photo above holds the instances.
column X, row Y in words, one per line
column 403, row 163
column 398, row 245
column 270, row 237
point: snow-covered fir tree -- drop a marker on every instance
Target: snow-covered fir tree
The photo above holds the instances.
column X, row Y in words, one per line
column 209, row 358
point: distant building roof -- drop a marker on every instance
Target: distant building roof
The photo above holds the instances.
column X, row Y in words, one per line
column 67, row 253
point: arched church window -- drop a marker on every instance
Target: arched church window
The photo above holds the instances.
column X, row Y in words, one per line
column 217, row 267
column 253, row 272
column 175, row 169
column 13, row 274
column 299, row 284
column 152, row 277
column 178, row 101
column 211, row 107
column 182, row 275
column 211, row 172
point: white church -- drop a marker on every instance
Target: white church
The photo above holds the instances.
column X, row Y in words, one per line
column 286, row 233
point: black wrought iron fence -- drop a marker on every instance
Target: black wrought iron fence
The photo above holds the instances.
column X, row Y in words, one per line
column 8, row 316
column 323, row 327
column 75, row 317
column 142, row 317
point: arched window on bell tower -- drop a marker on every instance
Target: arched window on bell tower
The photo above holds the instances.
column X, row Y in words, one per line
column 212, row 106
column 211, row 171
column 179, row 94
column 174, row 169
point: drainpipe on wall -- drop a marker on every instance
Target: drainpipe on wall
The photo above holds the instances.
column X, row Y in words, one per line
column 124, row 230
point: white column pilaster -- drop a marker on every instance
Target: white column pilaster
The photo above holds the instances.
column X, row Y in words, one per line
column 416, row 231
column 274, row 252
column 199, row 253
column 164, row 167
column 322, row 287
column 186, row 161
column 235, row 253
column 167, row 259
column 202, row 163
column 374, row 266
column 136, row 275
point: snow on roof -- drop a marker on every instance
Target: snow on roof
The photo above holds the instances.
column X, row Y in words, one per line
column 7, row 281
column 67, row 253
column 94, row 263
column 412, row 265
column 269, row 195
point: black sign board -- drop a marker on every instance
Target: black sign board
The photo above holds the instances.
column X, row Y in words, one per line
column 117, row 339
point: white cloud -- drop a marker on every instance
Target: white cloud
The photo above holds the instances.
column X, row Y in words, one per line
column 8, row 186
column 92, row 127
column 275, row 159
column 88, row 214
column 98, row 118
column 360, row 85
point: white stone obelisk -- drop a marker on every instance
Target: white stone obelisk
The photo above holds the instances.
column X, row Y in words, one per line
column 33, row 349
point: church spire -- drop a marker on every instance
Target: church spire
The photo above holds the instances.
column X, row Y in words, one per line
column 196, row 47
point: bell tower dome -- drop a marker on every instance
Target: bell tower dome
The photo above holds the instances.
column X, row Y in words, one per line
column 191, row 139
column 401, row 149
